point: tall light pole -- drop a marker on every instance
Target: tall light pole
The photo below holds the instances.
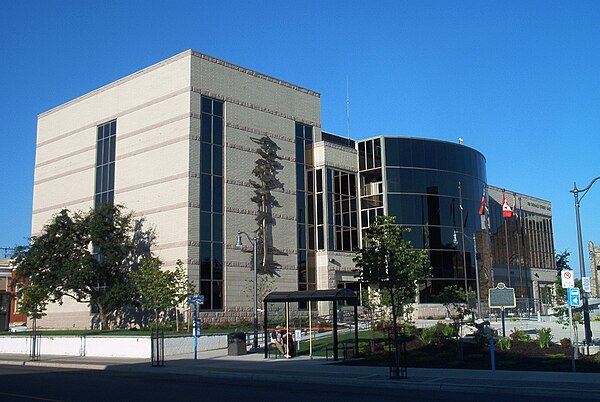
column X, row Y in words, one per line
column 586, row 310
column 238, row 245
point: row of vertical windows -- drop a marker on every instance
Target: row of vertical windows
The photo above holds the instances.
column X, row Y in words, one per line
column 305, row 208
column 345, row 211
column 527, row 234
column 211, row 203
column 105, row 163
column 369, row 154
column 371, row 183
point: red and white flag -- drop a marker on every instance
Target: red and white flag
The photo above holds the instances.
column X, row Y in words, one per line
column 506, row 209
column 482, row 206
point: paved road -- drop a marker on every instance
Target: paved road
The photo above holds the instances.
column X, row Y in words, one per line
column 27, row 384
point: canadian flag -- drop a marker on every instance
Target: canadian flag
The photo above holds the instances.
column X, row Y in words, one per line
column 507, row 211
column 482, row 206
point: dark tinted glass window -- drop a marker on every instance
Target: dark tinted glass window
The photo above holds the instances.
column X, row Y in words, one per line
column 205, row 226
column 105, row 163
column 206, row 105
column 362, row 156
column 211, row 202
column 205, row 158
column 217, row 194
column 205, row 193
column 217, row 126
column 218, row 108
column 206, row 128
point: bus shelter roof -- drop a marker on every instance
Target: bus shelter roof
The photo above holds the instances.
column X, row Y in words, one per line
column 311, row 295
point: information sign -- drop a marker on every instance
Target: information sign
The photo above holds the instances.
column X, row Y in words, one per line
column 586, row 284
column 502, row 297
column 574, row 297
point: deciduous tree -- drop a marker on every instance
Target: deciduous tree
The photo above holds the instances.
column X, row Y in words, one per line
column 161, row 290
column 390, row 263
column 86, row 257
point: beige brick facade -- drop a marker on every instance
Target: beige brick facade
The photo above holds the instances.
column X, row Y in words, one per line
column 157, row 164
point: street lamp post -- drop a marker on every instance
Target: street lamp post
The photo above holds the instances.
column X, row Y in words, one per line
column 238, row 245
column 586, row 311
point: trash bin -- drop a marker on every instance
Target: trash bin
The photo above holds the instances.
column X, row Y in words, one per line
column 236, row 344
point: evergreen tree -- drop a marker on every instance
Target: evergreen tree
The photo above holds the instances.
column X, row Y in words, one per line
column 265, row 170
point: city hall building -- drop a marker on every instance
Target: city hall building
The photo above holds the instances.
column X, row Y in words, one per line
column 177, row 143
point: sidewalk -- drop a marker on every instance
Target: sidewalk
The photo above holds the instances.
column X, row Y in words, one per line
column 253, row 367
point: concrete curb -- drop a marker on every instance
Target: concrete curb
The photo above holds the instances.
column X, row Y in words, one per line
column 41, row 363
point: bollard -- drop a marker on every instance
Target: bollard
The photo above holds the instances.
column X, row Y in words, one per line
column 492, row 354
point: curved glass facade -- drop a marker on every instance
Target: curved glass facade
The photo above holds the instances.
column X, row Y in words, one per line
column 421, row 180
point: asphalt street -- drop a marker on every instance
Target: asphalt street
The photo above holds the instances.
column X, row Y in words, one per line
column 22, row 384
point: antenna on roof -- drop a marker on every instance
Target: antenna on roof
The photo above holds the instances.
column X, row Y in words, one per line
column 348, row 109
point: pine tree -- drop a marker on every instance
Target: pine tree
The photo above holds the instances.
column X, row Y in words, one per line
column 265, row 170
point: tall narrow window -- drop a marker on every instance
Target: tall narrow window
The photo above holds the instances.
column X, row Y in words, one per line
column 345, row 210
column 211, row 203
column 305, row 206
column 105, row 163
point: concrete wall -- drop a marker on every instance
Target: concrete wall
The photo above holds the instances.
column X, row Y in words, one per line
column 109, row 346
column 151, row 108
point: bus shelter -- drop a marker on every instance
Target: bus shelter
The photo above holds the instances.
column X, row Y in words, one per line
column 331, row 295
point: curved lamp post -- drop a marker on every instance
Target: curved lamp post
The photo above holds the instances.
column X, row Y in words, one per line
column 238, row 245
column 586, row 311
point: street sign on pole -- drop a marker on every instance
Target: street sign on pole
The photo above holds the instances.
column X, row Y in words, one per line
column 586, row 284
column 196, row 299
column 567, row 278
column 574, row 297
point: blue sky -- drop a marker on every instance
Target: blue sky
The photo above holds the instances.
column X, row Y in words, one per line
column 518, row 81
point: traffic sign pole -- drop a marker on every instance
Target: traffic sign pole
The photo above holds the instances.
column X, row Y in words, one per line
column 195, row 329
column 573, row 347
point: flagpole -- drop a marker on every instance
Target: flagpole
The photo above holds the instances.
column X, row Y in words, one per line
column 506, row 238
column 462, row 231
column 517, row 221
column 489, row 235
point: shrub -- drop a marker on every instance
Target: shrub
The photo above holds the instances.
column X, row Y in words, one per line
column 439, row 334
column 519, row 336
column 425, row 336
column 408, row 329
column 565, row 343
column 544, row 337
column 448, row 330
column 481, row 339
column 504, row 343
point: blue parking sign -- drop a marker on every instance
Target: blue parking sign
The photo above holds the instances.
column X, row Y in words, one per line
column 196, row 299
column 574, row 297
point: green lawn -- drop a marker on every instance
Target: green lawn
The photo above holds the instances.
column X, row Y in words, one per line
column 319, row 346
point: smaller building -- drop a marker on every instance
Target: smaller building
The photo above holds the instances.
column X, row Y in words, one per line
column 522, row 247
column 7, row 303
